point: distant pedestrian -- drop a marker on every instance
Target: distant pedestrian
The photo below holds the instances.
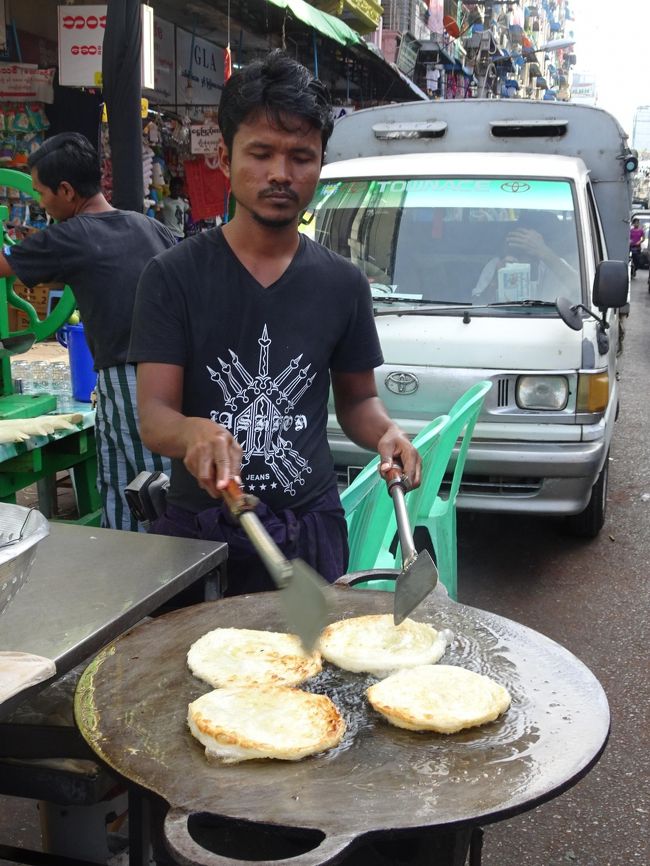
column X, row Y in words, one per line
column 636, row 239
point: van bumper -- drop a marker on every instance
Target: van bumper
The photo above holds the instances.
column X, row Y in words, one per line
column 545, row 478
column 531, row 478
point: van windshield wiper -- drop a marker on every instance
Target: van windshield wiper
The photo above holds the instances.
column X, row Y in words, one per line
column 427, row 307
column 528, row 302
column 402, row 299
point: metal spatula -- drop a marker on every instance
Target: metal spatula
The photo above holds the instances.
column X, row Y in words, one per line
column 419, row 574
column 301, row 588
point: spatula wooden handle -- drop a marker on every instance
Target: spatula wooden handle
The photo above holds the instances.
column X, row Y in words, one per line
column 237, row 501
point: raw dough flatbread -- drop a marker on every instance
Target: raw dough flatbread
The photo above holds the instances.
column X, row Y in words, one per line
column 374, row 644
column 240, row 723
column 438, row 698
column 242, row 656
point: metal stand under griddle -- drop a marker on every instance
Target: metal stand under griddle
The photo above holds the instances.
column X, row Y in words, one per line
column 383, row 789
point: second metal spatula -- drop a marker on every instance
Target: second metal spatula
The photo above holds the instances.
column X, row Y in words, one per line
column 419, row 574
column 301, row 588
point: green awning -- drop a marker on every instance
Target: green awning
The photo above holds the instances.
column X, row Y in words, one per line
column 326, row 24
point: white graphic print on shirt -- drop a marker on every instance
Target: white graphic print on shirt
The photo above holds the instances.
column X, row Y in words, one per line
column 260, row 416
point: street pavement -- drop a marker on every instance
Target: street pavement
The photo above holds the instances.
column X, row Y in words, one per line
column 590, row 596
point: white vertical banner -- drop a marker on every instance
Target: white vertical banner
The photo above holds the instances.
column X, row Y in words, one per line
column 163, row 91
column 147, row 75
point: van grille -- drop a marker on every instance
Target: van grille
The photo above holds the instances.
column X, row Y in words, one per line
column 503, row 392
column 474, row 485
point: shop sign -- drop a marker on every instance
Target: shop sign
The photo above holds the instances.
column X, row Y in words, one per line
column 81, row 37
column 366, row 10
column 81, row 40
column 25, row 81
column 204, row 138
column 407, row 54
column 583, row 91
column 164, row 89
column 199, row 70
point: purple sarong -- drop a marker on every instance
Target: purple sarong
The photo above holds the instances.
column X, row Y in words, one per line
column 316, row 533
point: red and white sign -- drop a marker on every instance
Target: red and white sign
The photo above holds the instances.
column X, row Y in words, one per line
column 20, row 82
column 81, row 39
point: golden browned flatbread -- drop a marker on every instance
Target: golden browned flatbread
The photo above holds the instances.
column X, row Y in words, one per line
column 374, row 644
column 240, row 723
column 438, row 698
column 242, row 656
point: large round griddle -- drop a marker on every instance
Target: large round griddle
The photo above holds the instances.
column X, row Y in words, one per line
column 131, row 707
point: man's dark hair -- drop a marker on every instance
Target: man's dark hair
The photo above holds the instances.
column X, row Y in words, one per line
column 279, row 86
column 71, row 157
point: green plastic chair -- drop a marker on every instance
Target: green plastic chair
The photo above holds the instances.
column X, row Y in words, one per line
column 425, row 506
column 370, row 515
column 369, row 508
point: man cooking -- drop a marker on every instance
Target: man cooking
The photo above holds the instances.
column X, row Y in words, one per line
column 238, row 331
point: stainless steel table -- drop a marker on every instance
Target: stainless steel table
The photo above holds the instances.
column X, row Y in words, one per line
column 86, row 588
column 89, row 585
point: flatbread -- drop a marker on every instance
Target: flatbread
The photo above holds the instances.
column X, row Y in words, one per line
column 241, row 723
column 374, row 644
column 438, row 698
column 242, row 656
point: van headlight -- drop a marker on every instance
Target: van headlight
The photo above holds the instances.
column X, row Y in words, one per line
column 549, row 393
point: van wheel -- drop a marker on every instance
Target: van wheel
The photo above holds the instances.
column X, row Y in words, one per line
column 589, row 522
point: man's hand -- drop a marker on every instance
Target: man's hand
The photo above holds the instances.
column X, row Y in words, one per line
column 527, row 242
column 395, row 448
column 212, row 454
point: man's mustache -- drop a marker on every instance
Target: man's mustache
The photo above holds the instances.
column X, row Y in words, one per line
column 274, row 190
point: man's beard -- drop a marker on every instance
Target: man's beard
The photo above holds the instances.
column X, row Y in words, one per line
column 272, row 222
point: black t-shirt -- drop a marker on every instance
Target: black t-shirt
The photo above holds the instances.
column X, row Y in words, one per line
column 100, row 256
column 255, row 359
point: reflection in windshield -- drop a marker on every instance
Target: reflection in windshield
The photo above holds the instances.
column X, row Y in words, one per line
column 486, row 241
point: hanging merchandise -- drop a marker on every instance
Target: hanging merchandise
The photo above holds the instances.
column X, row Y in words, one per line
column 22, row 127
column 106, row 163
column 207, row 189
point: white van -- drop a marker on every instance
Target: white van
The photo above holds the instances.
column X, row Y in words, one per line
column 494, row 234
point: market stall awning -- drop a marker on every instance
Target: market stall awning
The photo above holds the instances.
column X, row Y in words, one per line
column 411, row 84
column 325, row 24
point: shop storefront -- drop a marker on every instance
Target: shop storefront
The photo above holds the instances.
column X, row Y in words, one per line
column 183, row 70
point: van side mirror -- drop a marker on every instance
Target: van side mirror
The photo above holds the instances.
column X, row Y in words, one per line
column 611, row 285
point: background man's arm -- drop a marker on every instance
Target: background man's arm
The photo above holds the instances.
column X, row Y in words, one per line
column 208, row 450
column 363, row 418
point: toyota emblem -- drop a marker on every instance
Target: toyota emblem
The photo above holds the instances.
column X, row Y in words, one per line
column 402, row 383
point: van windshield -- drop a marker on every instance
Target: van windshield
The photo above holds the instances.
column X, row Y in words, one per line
column 486, row 241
